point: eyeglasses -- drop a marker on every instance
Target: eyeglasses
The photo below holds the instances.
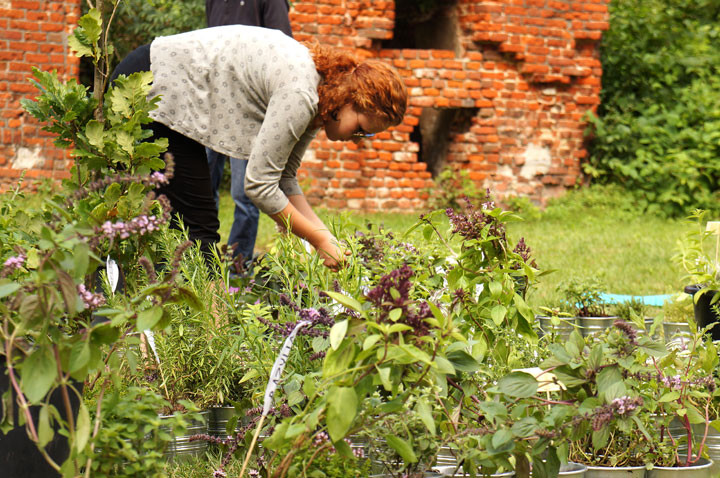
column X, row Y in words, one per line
column 361, row 134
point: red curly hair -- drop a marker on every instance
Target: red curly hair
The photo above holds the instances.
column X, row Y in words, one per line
column 371, row 86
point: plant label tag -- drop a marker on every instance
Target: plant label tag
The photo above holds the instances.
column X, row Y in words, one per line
column 151, row 341
column 547, row 382
column 113, row 273
column 279, row 366
column 714, row 227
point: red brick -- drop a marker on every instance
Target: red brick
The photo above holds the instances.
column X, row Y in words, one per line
column 52, row 27
column 24, row 46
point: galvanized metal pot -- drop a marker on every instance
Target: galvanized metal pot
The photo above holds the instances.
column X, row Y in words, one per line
column 573, row 470
column 615, row 472
column 676, row 333
column 594, row 325
column 219, row 418
column 562, row 330
column 699, row 470
column 425, row 474
column 445, row 457
column 450, row 471
column 712, row 442
column 180, row 447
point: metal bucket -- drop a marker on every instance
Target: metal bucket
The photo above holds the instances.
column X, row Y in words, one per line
column 573, row 470
column 700, row 470
column 219, row 418
column 380, row 468
column 677, row 334
column 450, row 471
column 180, row 447
column 424, row 474
column 658, row 330
column 561, row 331
column 445, row 458
column 595, row 325
column 712, row 442
column 615, row 472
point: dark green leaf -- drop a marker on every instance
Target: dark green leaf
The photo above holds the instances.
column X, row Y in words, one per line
column 518, row 384
column 402, row 447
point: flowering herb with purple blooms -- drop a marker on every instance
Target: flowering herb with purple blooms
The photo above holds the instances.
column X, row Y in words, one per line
column 61, row 323
column 621, row 390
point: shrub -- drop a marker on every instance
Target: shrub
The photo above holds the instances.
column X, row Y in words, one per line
column 658, row 126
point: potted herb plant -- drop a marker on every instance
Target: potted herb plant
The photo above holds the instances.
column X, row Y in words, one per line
column 584, row 299
column 703, row 270
column 677, row 314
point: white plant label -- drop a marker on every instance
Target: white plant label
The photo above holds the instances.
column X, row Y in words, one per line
column 151, row 341
column 713, row 226
column 279, row 366
column 113, row 273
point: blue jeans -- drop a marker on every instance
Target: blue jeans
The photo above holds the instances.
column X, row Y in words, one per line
column 245, row 222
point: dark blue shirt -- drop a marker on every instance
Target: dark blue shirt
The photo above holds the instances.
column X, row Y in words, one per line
column 259, row 13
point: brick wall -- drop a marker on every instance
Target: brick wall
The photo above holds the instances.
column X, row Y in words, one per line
column 515, row 84
column 32, row 33
column 524, row 74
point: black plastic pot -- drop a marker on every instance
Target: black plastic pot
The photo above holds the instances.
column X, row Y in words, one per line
column 704, row 313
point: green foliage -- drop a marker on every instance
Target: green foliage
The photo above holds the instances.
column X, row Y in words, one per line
column 58, row 330
column 678, row 309
column 621, row 390
column 523, row 206
column 408, row 319
column 138, row 22
column 657, row 133
column 698, row 253
column 133, row 436
column 451, row 186
column 582, row 297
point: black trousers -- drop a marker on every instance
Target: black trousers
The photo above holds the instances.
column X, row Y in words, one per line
column 19, row 456
column 190, row 190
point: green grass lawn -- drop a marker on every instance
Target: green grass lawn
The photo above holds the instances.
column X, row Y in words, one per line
column 585, row 235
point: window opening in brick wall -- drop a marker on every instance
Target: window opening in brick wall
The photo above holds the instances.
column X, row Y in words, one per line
column 437, row 129
column 425, row 24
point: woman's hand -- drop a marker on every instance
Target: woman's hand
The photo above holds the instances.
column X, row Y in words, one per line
column 333, row 253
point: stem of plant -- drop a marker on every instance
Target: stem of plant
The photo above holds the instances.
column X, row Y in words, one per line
column 96, row 428
column 252, row 444
column 11, row 373
column 65, row 396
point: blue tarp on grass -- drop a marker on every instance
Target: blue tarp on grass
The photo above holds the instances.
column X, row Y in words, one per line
column 654, row 300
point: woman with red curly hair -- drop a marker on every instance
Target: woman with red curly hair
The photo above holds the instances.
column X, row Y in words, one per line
column 257, row 94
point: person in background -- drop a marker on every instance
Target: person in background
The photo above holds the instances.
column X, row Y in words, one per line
column 260, row 13
column 257, row 94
